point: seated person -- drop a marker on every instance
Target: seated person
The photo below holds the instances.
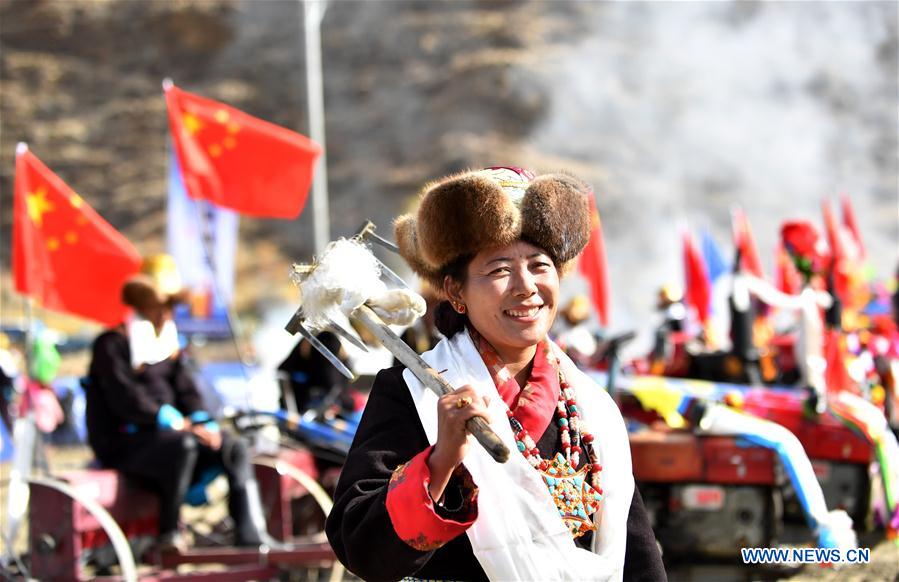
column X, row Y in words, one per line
column 145, row 417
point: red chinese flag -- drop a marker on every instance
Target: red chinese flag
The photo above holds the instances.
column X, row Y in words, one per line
column 744, row 241
column 851, row 224
column 698, row 285
column 64, row 254
column 592, row 265
column 840, row 263
column 833, row 232
column 238, row 161
column 787, row 278
column 836, row 376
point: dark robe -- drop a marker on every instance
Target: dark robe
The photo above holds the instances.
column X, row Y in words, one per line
column 359, row 527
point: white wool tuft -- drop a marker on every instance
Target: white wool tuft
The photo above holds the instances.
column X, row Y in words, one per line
column 398, row 306
column 345, row 276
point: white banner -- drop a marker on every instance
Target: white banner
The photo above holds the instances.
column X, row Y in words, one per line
column 190, row 222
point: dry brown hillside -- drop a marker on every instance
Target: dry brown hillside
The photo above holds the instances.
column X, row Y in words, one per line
column 407, row 86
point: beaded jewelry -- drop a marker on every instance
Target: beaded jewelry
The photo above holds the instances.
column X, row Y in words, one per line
column 576, row 496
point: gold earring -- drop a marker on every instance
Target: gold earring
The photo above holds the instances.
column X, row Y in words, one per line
column 461, row 308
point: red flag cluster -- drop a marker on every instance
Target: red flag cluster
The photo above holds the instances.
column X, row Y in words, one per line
column 846, row 255
column 71, row 260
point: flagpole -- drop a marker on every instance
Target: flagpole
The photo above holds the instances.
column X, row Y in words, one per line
column 28, row 338
column 315, row 98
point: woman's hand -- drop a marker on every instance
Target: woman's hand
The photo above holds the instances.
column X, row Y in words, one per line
column 453, row 411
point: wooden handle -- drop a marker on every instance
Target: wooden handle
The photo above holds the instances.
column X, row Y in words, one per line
column 430, row 378
column 488, row 439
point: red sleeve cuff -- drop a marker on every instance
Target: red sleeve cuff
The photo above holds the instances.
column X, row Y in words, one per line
column 412, row 511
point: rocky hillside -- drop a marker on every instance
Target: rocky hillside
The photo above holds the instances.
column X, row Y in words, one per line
column 674, row 112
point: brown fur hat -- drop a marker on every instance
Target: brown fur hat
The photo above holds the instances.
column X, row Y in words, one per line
column 471, row 211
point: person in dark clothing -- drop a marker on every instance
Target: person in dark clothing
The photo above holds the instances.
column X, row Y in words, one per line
column 145, row 416
column 414, row 499
column 311, row 375
column 386, row 436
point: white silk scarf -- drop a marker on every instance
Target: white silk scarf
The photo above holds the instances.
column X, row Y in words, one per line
column 518, row 534
column 148, row 348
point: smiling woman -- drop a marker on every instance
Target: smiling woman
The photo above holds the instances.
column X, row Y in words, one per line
column 510, row 295
column 495, row 242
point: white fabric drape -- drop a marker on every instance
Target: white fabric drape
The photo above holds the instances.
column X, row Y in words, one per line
column 832, row 528
column 147, row 348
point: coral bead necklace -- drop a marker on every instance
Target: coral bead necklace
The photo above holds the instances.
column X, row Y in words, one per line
column 576, row 496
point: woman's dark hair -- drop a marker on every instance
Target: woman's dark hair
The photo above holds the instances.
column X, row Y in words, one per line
column 447, row 320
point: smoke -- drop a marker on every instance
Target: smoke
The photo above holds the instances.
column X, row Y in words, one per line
column 686, row 109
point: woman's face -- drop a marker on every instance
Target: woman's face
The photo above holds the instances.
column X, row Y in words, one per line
column 511, row 295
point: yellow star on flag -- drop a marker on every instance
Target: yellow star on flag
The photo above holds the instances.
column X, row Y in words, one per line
column 192, row 123
column 38, row 205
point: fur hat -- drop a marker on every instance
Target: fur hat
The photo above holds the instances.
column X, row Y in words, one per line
column 465, row 213
column 157, row 283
